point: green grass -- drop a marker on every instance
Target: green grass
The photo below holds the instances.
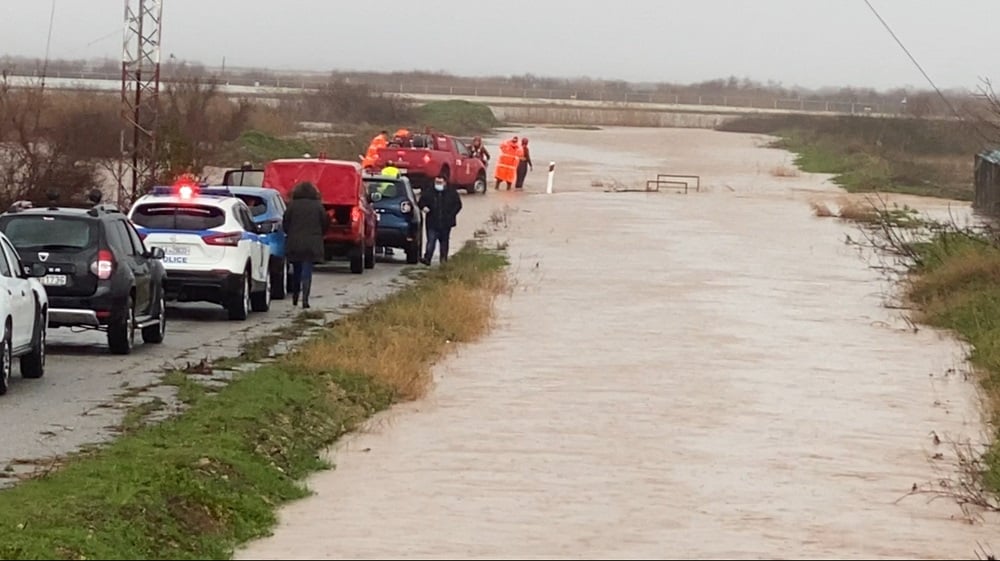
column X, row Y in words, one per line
column 197, row 485
column 957, row 287
column 458, row 117
column 867, row 154
column 257, row 146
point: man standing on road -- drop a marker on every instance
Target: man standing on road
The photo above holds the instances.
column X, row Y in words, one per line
column 441, row 207
column 305, row 222
column 524, row 162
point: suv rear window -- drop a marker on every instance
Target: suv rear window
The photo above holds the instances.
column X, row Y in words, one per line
column 248, row 178
column 258, row 205
column 389, row 189
column 166, row 216
column 50, row 232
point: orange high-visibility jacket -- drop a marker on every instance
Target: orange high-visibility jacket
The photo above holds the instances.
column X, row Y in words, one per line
column 506, row 169
column 377, row 142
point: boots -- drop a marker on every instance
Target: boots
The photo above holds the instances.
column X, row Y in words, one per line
column 306, row 286
column 295, row 298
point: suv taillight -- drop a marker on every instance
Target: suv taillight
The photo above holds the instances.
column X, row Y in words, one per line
column 230, row 239
column 104, row 265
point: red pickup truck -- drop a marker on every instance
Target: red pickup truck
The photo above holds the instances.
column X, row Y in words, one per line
column 434, row 155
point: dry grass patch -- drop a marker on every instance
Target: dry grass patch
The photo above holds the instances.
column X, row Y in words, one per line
column 784, row 171
column 397, row 340
column 821, row 210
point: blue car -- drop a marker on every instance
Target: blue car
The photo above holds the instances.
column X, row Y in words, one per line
column 267, row 206
column 400, row 222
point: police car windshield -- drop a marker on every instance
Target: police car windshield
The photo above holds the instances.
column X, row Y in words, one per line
column 167, row 216
column 49, row 232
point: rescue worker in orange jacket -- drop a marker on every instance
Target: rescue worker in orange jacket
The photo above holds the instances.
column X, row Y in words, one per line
column 402, row 138
column 506, row 170
column 381, row 140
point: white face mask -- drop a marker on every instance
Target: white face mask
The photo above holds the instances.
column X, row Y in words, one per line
column 439, row 186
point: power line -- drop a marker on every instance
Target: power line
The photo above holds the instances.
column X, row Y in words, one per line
column 48, row 43
column 926, row 76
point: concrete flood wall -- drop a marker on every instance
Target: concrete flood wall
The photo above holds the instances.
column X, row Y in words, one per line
column 583, row 116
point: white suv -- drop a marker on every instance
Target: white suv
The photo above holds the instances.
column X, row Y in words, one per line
column 213, row 249
column 24, row 309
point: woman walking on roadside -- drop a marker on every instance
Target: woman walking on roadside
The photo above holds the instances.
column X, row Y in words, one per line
column 305, row 222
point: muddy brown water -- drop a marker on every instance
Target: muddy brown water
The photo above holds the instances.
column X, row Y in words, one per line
column 674, row 376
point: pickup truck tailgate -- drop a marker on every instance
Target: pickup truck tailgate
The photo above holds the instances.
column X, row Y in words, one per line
column 412, row 159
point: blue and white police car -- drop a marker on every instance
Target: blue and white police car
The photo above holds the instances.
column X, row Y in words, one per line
column 213, row 249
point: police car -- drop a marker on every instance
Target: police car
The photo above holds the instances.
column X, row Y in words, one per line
column 213, row 249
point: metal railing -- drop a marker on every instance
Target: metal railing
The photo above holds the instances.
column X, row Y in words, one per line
column 673, row 179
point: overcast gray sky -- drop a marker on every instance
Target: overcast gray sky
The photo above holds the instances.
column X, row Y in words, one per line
column 806, row 42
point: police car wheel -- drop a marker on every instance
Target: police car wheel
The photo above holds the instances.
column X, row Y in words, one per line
column 261, row 301
column 238, row 305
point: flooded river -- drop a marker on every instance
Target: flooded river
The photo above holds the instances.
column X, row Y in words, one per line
column 674, row 376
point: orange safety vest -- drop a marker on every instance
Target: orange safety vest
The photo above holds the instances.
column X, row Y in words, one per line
column 377, row 142
column 506, row 169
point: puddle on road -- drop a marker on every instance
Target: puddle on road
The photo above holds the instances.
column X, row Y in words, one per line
column 709, row 375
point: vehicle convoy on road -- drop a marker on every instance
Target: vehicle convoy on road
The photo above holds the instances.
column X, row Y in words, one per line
column 436, row 155
column 268, row 207
column 345, row 198
column 213, row 249
column 98, row 273
column 24, row 307
column 400, row 222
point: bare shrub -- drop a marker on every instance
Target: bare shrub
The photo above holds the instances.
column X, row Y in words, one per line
column 48, row 143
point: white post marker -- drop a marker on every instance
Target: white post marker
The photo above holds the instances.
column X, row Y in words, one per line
column 552, row 176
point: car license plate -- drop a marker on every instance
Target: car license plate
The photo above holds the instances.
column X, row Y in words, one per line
column 177, row 250
column 54, row 280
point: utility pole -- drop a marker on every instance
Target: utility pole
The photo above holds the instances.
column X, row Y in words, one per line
column 140, row 98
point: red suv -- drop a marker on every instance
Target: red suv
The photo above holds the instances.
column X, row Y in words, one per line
column 352, row 217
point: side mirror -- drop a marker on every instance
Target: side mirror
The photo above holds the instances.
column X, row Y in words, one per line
column 375, row 197
column 157, row 253
column 267, row 227
column 37, row 270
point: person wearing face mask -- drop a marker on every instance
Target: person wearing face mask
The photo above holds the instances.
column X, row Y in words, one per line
column 440, row 206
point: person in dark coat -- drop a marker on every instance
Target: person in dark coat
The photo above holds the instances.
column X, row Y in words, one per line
column 523, row 164
column 441, row 206
column 305, row 222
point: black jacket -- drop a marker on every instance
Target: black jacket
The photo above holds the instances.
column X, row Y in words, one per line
column 443, row 206
column 305, row 222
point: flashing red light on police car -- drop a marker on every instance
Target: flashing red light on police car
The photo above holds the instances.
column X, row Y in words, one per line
column 186, row 186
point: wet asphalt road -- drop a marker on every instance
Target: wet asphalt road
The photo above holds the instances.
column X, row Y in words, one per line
column 86, row 390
